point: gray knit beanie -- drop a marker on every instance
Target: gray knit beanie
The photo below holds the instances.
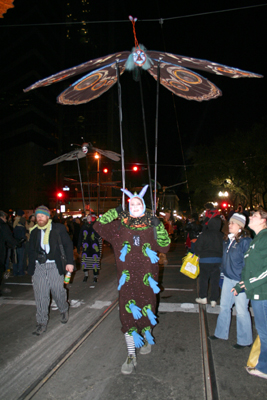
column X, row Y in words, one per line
column 239, row 219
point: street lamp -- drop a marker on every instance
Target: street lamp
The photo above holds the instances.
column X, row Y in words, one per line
column 223, row 194
column 97, row 157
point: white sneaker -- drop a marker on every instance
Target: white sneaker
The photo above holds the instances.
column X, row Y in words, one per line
column 201, row 301
column 146, row 349
column 213, row 303
column 256, row 372
column 129, row 365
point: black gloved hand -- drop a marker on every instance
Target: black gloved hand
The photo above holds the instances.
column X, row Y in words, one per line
column 155, row 221
column 119, row 209
column 120, row 212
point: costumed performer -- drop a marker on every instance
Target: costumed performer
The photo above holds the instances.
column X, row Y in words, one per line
column 90, row 246
column 132, row 235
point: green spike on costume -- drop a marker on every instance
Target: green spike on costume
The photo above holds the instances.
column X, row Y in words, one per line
column 127, row 305
column 127, row 273
column 109, row 216
column 163, row 239
column 138, row 340
column 125, row 277
column 144, row 247
column 145, row 308
column 147, row 333
column 145, row 279
column 126, row 248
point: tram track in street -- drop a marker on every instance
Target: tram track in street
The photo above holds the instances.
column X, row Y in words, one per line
column 209, row 384
column 209, row 376
column 30, row 392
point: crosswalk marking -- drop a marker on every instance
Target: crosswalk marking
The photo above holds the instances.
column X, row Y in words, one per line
column 163, row 307
column 182, row 290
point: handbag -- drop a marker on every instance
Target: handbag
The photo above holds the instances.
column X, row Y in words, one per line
column 254, row 353
column 190, row 266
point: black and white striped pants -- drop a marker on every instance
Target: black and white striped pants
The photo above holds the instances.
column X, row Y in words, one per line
column 46, row 278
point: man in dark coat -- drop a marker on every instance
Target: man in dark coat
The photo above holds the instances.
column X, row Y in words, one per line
column 45, row 266
column 6, row 239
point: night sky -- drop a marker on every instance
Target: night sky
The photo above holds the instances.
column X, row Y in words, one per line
column 207, row 30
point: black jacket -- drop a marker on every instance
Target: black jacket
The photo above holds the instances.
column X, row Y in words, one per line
column 210, row 241
column 6, row 239
column 193, row 229
column 34, row 246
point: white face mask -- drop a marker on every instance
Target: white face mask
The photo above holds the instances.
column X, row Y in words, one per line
column 136, row 207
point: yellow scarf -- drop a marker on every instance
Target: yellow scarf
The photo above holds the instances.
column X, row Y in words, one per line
column 47, row 232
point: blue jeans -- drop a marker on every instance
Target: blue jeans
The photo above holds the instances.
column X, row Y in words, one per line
column 243, row 318
column 260, row 318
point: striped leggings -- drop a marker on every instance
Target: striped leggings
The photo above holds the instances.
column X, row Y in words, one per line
column 46, row 278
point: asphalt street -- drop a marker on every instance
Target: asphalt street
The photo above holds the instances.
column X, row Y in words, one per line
column 173, row 370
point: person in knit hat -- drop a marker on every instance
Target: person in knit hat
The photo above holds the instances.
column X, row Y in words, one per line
column 238, row 219
column 235, row 246
column 46, row 268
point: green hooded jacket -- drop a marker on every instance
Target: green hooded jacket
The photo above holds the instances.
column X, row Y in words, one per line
column 254, row 273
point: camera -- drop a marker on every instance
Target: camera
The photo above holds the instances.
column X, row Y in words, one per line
column 42, row 256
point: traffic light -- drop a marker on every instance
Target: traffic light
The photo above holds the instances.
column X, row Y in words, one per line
column 105, row 170
column 224, row 205
column 135, row 168
column 59, row 195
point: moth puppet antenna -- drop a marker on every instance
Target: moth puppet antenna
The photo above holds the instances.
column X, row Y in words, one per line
column 133, row 20
column 138, row 56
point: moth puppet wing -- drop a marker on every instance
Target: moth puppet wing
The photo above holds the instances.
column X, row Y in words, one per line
column 185, row 83
column 80, row 69
column 176, row 77
column 200, row 64
column 73, row 155
column 107, row 153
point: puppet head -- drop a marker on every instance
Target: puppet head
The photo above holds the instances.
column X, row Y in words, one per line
column 135, row 208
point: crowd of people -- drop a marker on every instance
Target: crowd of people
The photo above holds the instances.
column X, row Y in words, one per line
column 16, row 259
column 232, row 255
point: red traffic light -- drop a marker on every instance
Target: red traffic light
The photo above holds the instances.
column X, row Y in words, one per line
column 59, row 195
column 105, row 170
column 224, row 205
column 135, row 168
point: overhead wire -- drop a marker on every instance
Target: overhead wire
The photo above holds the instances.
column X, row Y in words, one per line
column 160, row 20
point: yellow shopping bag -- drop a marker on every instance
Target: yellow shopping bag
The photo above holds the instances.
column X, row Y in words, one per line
column 254, row 353
column 190, row 266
